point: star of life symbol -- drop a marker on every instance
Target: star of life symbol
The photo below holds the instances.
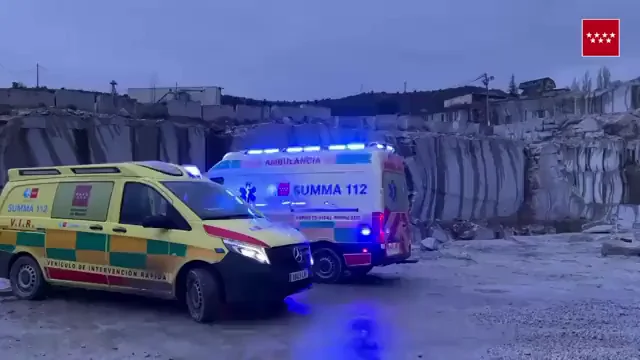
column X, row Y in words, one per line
column 601, row 38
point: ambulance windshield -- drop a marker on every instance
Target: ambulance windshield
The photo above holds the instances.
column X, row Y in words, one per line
column 211, row 201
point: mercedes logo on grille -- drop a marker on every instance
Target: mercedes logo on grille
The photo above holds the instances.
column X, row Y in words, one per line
column 297, row 254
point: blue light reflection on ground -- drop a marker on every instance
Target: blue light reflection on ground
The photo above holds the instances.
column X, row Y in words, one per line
column 353, row 331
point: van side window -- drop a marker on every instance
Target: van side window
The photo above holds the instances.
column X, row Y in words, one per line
column 140, row 201
column 82, row 200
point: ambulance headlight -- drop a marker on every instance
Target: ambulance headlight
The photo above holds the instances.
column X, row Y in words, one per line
column 257, row 253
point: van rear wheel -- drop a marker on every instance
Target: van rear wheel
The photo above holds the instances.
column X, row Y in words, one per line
column 203, row 296
column 327, row 266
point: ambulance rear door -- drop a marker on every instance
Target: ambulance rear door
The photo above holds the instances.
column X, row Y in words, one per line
column 396, row 213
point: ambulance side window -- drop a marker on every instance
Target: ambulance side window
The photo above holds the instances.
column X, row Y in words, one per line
column 140, row 201
column 82, row 200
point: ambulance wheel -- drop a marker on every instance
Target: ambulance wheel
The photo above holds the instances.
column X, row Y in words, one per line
column 203, row 297
column 327, row 265
column 26, row 278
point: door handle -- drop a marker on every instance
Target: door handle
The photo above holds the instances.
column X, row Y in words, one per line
column 95, row 227
column 119, row 230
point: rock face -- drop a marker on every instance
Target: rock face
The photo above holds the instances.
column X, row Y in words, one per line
column 582, row 168
column 451, row 176
column 568, row 168
column 45, row 138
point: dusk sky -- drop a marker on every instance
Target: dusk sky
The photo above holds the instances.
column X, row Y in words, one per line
column 301, row 49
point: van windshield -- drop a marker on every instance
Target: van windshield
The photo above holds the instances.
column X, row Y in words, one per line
column 211, row 201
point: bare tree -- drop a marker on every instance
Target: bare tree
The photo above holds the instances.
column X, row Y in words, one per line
column 599, row 80
column 606, row 77
column 575, row 85
column 586, row 82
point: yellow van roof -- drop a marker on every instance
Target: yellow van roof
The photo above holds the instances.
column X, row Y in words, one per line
column 146, row 169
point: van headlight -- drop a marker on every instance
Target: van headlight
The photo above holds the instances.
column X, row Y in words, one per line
column 257, row 253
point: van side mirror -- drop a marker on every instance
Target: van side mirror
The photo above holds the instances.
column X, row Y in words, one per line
column 158, row 222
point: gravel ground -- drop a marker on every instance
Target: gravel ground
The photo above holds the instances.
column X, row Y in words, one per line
column 546, row 297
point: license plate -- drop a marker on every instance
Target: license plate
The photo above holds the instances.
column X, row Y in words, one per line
column 393, row 249
column 298, row 275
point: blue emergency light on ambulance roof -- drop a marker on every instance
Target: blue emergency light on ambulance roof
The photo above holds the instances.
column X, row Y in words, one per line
column 299, row 149
column 193, row 171
column 355, row 146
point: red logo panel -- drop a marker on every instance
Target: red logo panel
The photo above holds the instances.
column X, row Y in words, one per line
column 81, row 196
column 601, row 37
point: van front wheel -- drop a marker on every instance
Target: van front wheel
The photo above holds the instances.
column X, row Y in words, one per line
column 26, row 279
column 327, row 266
column 203, row 295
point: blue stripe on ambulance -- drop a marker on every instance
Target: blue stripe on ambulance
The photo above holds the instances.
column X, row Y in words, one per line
column 348, row 159
column 317, row 224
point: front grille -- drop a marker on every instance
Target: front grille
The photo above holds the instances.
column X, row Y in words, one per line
column 282, row 256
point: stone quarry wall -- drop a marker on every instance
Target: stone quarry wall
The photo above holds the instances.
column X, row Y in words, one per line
column 576, row 168
column 451, row 176
column 583, row 168
column 48, row 138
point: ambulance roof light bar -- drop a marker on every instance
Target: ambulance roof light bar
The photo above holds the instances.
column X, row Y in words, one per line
column 299, row 149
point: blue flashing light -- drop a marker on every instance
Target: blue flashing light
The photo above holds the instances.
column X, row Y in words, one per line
column 334, row 147
column 355, row 146
column 365, row 231
column 193, row 171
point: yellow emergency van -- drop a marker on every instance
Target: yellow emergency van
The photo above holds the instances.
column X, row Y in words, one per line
column 350, row 200
column 149, row 228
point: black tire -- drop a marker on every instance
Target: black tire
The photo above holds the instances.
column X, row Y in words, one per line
column 26, row 278
column 328, row 267
column 202, row 295
column 360, row 271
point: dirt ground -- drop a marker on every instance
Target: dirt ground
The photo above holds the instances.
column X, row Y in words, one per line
column 545, row 297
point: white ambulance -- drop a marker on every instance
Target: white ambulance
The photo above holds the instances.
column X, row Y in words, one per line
column 350, row 201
